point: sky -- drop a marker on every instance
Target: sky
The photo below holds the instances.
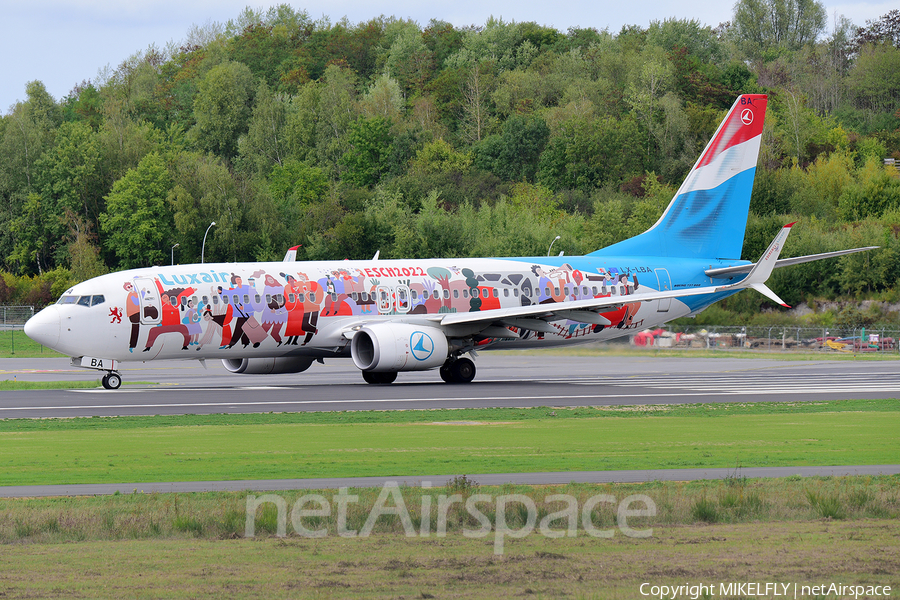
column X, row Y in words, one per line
column 64, row 42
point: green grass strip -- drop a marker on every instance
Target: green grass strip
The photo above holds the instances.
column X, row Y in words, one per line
column 446, row 442
column 462, row 414
column 11, row 385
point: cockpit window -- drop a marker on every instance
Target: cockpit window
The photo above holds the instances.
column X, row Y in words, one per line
column 84, row 301
column 67, row 300
column 97, row 299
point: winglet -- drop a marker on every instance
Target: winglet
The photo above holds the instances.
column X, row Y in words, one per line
column 291, row 254
column 763, row 268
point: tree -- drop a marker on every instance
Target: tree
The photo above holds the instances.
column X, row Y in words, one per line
column 222, row 108
column 648, row 85
column 410, row 61
column 589, row 153
column 370, row 145
column 71, row 172
column 383, row 99
column 137, row 223
column 476, row 91
column 266, row 144
column 875, row 78
column 885, row 29
column 763, row 25
column 513, row 155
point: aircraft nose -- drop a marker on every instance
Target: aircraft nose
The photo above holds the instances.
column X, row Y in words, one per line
column 43, row 327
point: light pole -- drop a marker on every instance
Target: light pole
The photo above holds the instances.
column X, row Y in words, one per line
column 551, row 245
column 173, row 252
column 203, row 248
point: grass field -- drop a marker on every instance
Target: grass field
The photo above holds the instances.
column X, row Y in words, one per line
column 407, row 443
column 804, row 531
column 193, row 545
column 15, row 344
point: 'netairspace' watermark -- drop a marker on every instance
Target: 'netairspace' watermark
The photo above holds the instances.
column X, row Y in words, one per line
column 390, row 502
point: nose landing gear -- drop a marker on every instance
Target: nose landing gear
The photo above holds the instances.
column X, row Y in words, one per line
column 111, row 380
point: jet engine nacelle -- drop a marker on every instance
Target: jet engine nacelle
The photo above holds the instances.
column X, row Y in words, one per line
column 266, row 366
column 382, row 347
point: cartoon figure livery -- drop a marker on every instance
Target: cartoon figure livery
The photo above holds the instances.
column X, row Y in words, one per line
column 390, row 316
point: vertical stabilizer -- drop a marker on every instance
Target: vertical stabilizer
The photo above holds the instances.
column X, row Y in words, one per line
column 708, row 215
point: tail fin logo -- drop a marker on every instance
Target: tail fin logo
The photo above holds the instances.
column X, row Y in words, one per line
column 746, row 116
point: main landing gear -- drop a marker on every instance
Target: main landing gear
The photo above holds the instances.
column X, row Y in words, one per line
column 386, row 377
column 111, row 380
column 455, row 370
column 460, row 370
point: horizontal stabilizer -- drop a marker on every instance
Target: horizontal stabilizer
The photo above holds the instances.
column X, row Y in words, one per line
column 724, row 272
column 765, row 291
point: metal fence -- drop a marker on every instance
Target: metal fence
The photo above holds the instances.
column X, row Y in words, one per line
column 12, row 320
column 775, row 338
column 14, row 317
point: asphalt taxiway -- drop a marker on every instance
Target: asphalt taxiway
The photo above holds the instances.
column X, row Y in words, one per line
column 503, row 380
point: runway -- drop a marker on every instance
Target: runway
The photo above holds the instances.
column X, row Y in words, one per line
column 555, row 478
column 504, row 380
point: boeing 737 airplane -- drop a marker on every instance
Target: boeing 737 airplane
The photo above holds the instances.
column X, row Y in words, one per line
column 412, row 315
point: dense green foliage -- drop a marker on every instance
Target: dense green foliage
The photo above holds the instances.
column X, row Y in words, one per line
column 445, row 141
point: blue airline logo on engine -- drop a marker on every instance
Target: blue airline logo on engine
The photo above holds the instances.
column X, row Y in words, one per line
column 422, row 345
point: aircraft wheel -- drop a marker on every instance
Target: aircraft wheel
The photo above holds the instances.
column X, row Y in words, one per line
column 462, row 370
column 389, row 377
column 383, row 378
column 111, row 381
column 446, row 375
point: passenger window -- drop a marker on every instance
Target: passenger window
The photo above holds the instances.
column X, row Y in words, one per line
column 547, row 292
column 268, row 298
column 465, row 293
column 506, row 292
column 456, row 293
column 257, row 298
column 446, row 294
column 516, row 293
column 246, row 299
column 484, row 293
column 291, row 298
column 365, row 296
column 333, row 297
column 215, row 299
column 312, row 297
column 97, row 300
column 301, row 297
column 415, row 295
column 225, row 299
column 612, row 290
column 621, row 290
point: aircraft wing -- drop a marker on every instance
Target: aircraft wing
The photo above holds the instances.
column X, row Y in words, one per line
column 587, row 311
